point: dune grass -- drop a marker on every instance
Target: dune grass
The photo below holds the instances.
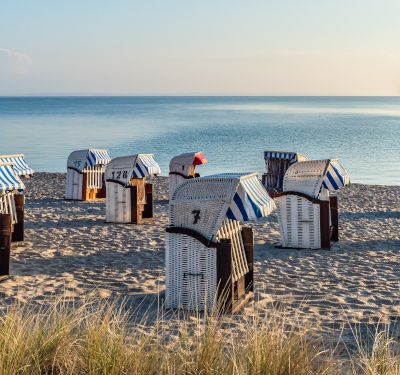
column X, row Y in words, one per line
column 103, row 338
column 380, row 355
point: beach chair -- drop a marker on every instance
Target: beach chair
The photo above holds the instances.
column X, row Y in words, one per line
column 11, row 213
column 85, row 174
column 20, row 166
column 129, row 195
column 277, row 163
column 308, row 205
column 182, row 167
column 209, row 254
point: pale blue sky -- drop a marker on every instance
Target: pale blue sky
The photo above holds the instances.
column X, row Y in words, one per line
column 173, row 47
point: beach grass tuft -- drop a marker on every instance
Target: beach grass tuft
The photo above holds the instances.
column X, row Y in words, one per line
column 100, row 337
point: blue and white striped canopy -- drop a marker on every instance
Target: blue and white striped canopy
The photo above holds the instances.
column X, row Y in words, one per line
column 96, row 157
column 81, row 159
column 251, row 201
column 145, row 166
column 284, row 155
column 336, row 176
column 311, row 177
column 280, row 155
column 20, row 166
column 9, row 180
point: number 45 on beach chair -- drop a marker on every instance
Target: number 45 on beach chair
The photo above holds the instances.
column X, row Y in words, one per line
column 85, row 174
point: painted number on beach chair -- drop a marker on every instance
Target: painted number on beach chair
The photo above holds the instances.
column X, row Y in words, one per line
column 196, row 214
column 117, row 175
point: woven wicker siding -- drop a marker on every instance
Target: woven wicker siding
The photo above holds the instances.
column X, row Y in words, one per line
column 174, row 181
column 191, row 273
column 299, row 221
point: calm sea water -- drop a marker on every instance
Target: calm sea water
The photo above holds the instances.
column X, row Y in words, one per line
column 364, row 132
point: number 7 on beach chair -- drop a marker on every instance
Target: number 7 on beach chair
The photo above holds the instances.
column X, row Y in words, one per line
column 307, row 207
column 209, row 254
column 129, row 196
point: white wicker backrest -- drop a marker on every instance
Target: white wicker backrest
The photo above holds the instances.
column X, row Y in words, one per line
column 306, row 177
column 201, row 204
column 120, row 169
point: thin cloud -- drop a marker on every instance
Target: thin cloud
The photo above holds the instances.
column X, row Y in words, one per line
column 21, row 60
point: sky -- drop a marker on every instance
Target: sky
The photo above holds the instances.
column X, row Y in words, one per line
column 187, row 47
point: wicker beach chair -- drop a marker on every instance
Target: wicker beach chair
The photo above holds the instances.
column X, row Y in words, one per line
column 277, row 163
column 129, row 196
column 209, row 254
column 307, row 207
column 20, row 166
column 85, row 174
column 182, row 167
column 11, row 213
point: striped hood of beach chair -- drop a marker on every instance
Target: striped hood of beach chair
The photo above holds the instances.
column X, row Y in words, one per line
column 284, row 155
column 145, row 166
column 250, row 202
column 20, row 166
column 122, row 169
column 81, row 159
column 311, row 176
column 336, row 176
column 96, row 157
column 9, row 180
column 212, row 199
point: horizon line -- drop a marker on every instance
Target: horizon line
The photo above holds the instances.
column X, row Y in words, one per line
column 44, row 95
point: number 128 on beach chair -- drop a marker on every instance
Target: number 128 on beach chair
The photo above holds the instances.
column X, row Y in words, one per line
column 129, row 195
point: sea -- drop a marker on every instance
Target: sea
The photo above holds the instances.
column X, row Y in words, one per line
column 233, row 132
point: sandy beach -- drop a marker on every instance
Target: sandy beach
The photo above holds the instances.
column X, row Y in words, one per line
column 70, row 250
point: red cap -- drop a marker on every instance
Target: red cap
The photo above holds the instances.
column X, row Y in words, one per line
column 199, row 159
